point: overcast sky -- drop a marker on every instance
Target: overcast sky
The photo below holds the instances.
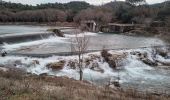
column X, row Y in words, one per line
column 95, row 2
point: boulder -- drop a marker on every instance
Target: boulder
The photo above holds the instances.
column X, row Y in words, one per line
column 43, row 74
column 56, row 65
column 113, row 59
column 162, row 52
column 3, row 53
column 72, row 64
column 18, row 62
column 36, row 62
column 105, row 55
column 164, row 63
column 58, row 32
column 149, row 62
column 95, row 67
column 94, row 56
column 116, row 83
column 144, row 58
column 87, row 61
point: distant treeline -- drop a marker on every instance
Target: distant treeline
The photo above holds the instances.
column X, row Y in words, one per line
column 76, row 11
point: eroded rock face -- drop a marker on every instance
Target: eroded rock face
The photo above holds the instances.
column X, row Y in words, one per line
column 56, row 66
column 113, row 59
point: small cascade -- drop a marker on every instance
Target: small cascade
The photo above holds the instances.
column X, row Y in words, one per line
column 130, row 69
column 18, row 38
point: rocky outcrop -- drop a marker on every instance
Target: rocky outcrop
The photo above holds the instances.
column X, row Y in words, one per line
column 113, row 59
column 162, row 52
column 149, row 62
column 164, row 63
column 108, row 58
column 91, row 58
column 144, row 58
column 58, row 32
column 72, row 64
column 95, row 67
column 56, row 65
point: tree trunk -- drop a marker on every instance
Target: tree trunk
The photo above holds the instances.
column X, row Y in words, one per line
column 81, row 75
column 80, row 67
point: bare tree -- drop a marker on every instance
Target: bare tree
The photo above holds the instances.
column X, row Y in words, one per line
column 79, row 46
column 100, row 15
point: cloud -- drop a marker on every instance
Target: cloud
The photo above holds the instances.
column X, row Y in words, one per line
column 95, row 2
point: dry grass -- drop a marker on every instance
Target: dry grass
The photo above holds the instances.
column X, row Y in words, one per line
column 15, row 85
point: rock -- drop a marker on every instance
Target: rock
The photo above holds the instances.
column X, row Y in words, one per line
column 43, row 74
column 58, row 33
column 116, row 83
column 36, row 62
column 72, row 64
column 94, row 56
column 112, row 63
column 149, row 62
column 18, row 62
column 144, row 58
column 3, row 53
column 57, row 65
column 95, row 67
column 87, row 61
column 164, row 63
column 91, row 58
column 162, row 52
column 113, row 59
column 105, row 55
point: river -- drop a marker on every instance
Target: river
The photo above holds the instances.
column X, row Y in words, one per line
column 133, row 73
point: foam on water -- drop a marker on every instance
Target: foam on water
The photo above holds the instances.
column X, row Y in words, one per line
column 52, row 39
column 81, row 34
column 132, row 72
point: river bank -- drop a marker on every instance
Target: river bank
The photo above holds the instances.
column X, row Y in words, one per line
column 58, row 24
column 136, row 68
column 17, row 85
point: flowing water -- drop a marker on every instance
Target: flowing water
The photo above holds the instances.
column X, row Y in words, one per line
column 133, row 73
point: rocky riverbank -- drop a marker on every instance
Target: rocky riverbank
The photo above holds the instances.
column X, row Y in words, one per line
column 137, row 68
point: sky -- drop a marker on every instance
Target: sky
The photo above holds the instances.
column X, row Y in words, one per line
column 95, row 2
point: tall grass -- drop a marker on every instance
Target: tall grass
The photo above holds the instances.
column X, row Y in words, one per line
column 21, row 86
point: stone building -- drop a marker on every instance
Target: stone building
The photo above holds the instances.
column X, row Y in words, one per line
column 119, row 28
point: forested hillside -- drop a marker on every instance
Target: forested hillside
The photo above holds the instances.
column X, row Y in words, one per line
column 122, row 12
column 16, row 12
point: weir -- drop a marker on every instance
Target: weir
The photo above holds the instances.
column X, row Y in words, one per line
column 16, row 38
column 75, row 53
